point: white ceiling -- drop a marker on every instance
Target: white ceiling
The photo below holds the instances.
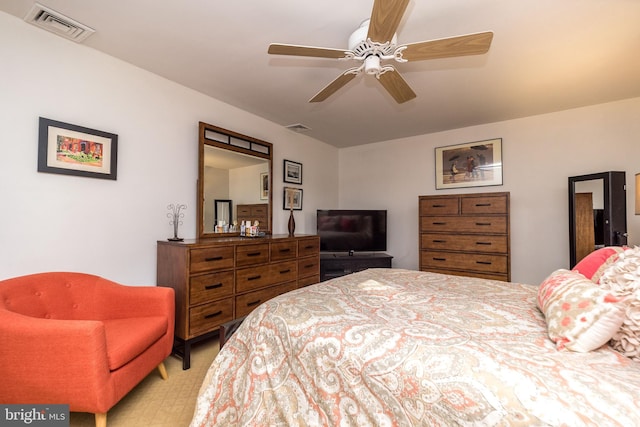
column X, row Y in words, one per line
column 546, row 55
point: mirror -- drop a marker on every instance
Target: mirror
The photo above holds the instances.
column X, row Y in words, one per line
column 597, row 213
column 223, row 219
column 234, row 182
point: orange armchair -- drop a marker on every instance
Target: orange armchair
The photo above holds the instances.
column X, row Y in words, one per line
column 79, row 339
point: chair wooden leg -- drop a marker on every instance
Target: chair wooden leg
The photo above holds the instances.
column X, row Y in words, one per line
column 101, row 420
column 163, row 371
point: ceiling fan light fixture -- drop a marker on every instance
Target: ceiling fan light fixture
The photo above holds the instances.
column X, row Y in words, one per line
column 372, row 64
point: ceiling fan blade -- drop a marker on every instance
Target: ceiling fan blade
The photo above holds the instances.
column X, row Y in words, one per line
column 332, row 87
column 318, row 52
column 396, row 86
column 385, row 18
column 472, row 44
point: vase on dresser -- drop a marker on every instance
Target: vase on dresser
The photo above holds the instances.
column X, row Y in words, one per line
column 292, row 223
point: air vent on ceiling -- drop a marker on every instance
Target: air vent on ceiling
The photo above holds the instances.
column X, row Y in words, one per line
column 298, row 127
column 57, row 23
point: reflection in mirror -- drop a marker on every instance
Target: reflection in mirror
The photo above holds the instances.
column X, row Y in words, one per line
column 232, row 167
column 223, row 219
column 597, row 213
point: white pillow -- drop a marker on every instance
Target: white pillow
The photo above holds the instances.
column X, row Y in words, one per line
column 581, row 316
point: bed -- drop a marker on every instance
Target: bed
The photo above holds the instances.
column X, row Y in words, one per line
column 393, row 347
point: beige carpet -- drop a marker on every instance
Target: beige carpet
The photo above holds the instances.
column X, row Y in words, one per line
column 158, row 403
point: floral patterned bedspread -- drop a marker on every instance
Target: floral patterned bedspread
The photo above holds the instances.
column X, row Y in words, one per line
column 390, row 347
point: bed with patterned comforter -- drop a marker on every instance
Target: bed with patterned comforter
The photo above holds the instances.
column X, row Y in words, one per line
column 389, row 347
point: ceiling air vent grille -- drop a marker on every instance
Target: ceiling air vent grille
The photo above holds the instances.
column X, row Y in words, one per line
column 57, row 23
column 298, row 127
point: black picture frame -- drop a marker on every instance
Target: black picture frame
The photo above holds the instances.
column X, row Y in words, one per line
column 296, row 193
column 69, row 149
column 292, row 172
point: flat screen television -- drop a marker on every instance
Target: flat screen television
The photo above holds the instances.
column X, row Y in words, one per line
column 352, row 230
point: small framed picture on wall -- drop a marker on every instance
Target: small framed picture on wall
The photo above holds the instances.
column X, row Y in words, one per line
column 292, row 199
column 292, row 172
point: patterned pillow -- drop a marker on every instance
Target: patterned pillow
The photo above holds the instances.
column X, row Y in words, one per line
column 593, row 265
column 623, row 279
column 580, row 315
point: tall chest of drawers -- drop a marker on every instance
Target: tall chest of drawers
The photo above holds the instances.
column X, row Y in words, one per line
column 218, row 280
column 466, row 235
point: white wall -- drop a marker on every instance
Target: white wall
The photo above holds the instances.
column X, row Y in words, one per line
column 539, row 154
column 110, row 228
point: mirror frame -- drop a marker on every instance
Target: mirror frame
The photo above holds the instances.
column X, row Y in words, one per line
column 236, row 142
column 615, row 209
column 228, row 204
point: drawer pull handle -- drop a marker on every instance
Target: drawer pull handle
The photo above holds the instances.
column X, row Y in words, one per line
column 309, row 247
column 215, row 258
column 217, row 313
column 309, row 266
column 256, row 302
column 479, row 205
column 483, row 223
column 439, row 241
column 254, row 253
column 285, row 250
column 254, row 277
column 439, row 223
column 484, row 243
column 438, row 206
column 285, row 271
column 439, row 259
column 483, row 262
column 216, row 286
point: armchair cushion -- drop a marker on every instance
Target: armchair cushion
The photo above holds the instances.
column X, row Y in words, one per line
column 128, row 338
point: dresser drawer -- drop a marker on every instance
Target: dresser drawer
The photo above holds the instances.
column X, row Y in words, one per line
column 247, row 302
column 466, row 224
column 209, row 259
column 248, row 279
column 307, row 247
column 440, row 206
column 211, row 286
column 465, row 242
column 284, row 250
column 309, row 280
column 259, row 210
column 252, row 254
column 244, row 210
column 205, row 318
column 504, row 277
column 464, row 261
column 308, row 266
column 484, row 205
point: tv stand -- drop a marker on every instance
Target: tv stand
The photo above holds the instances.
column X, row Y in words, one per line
column 340, row 264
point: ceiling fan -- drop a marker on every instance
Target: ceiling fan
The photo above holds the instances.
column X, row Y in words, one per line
column 375, row 41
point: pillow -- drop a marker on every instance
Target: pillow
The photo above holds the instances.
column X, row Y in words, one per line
column 623, row 279
column 593, row 265
column 580, row 315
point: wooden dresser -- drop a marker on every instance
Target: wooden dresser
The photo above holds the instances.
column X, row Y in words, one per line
column 466, row 235
column 218, row 280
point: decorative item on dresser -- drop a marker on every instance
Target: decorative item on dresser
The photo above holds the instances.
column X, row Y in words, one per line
column 176, row 219
column 218, row 280
column 466, row 235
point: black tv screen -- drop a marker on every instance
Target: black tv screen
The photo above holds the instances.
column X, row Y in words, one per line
column 352, row 230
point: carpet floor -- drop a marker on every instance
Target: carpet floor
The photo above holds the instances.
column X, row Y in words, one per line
column 158, row 403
